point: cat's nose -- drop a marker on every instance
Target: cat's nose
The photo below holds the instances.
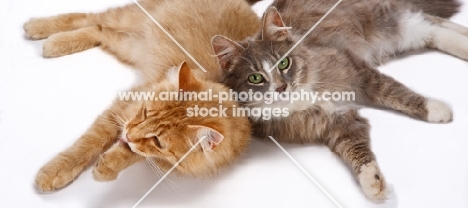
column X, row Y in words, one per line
column 127, row 138
column 123, row 140
column 282, row 88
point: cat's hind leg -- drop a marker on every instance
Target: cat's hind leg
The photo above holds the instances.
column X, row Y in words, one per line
column 349, row 138
column 41, row 28
column 419, row 30
column 74, row 41
column 66, row 166
column 448, row 37
column 114, row 160
column 446, row 23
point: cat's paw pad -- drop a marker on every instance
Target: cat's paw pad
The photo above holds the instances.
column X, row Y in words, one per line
column 102, row 172
column 56, row 174
column 37, row 28
column 373, row 182
column 438, row 112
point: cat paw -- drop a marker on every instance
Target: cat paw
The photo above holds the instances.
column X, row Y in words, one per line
column 102, row 172
column 54, row 47
column 56, row 174
column 373, row 182
column 36, row 28
column 438, row 112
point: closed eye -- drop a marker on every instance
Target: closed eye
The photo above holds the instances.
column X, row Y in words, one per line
column 156, row 141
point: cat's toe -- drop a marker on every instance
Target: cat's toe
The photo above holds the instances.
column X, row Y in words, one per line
column 101, row 172
column 36, row 29
column 438, row 112
column 373, row 182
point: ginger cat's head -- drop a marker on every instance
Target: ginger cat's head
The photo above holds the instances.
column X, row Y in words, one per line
column 162, row 130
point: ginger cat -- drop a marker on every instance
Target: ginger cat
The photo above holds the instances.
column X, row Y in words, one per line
column 160, row 131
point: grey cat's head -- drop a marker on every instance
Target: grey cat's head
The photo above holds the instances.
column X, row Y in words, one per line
column 251, row 64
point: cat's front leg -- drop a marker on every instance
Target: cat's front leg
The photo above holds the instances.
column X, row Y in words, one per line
column 40, row 28
column 381, row 90
column 349, row 138
column 114, row 160
column 66, row 166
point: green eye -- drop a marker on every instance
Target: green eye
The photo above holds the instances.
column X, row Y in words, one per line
column 255, row 78
column 284, row 64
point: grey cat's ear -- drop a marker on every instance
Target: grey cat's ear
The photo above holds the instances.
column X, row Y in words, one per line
column 226, row 50
column 210, row 137
column 273, row 28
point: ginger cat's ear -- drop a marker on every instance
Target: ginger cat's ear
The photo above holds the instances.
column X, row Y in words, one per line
column 273, row 28
column 226, row 50
column 187, row 81
column 211, row 138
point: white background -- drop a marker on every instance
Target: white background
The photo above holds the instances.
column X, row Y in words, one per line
column 45, row 104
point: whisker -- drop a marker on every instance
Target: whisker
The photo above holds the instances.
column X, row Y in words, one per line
column 168, row 183
column 110, row 122
column 150, row 164
column 123, row 114
column 117, row 116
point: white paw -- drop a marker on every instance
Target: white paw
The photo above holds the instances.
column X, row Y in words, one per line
column 438, row 112
column 372, row 182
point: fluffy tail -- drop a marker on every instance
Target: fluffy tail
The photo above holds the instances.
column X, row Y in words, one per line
column 440, row 8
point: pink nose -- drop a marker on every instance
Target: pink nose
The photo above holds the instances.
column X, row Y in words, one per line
column 282, row 88
column 124, row 139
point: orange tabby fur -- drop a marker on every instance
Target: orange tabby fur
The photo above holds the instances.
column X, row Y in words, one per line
column 130, row 35
column 161, row 131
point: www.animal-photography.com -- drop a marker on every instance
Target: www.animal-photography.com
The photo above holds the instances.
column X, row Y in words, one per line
column 234, row 103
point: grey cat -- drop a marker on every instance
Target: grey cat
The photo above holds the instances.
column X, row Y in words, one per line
column 340, row 55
